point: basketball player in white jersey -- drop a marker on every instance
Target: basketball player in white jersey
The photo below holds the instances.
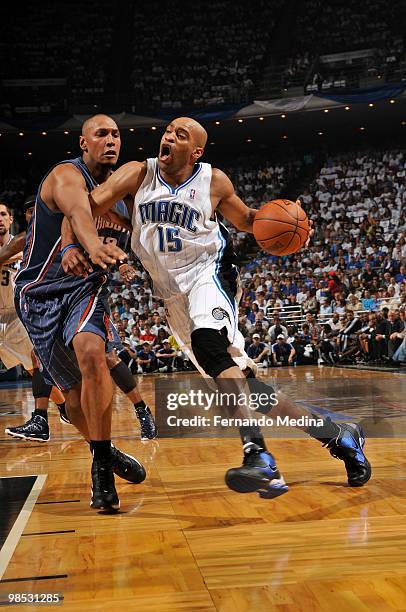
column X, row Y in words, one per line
column 15, row 345
column 183, row 246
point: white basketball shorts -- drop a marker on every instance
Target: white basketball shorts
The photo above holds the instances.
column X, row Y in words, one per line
column 15, row 345
column 206, row 305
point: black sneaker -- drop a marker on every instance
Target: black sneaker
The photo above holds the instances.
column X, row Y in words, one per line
column 63, row 417
column 348, row 446
column 149, row 430
column 36, row 428
column 104, row 494
column 126, row 466
column 257, row 473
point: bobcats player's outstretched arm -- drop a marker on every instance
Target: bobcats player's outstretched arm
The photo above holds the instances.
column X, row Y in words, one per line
column 226, row 201
column 125, row 181
column 64, row 189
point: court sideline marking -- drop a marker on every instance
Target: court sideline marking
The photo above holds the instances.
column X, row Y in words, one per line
column 13, row 537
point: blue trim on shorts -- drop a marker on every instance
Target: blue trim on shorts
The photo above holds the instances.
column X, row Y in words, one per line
column 217, row 281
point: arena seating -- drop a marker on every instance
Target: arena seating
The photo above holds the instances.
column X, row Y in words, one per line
column 200, row 71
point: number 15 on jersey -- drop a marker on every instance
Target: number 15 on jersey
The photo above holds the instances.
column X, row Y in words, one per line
column 169, row 241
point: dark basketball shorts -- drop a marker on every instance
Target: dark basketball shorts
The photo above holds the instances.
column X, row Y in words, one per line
column 52, row 322
column 113, row 340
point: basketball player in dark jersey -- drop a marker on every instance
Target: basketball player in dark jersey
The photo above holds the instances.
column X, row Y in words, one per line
column 67, row 318
column 37, row 428
column 182, row 145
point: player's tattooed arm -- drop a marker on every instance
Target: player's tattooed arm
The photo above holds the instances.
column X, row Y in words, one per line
column 12, row 251
column 122, row 183
column 227, row 202
column 66, row 191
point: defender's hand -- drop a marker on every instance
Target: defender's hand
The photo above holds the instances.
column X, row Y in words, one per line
column 75, row 263
column 105, row 255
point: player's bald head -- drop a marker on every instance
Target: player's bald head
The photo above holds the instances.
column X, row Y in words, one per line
column 96, row 121
column 195, row 129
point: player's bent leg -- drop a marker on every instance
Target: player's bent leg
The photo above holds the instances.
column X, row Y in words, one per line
column 258, row 471
column 125, row 381
column 344, row 441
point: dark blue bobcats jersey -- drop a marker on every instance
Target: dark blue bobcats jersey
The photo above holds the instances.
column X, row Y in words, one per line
column 41, row 270
column 111, row 233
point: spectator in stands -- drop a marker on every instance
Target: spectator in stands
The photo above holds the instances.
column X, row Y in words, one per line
column 258, row 351
column 166, row 357
column 276, row 329
column 397, row 325
column 146, row 359
column 314, row 327
column 158, row 325
column 146, row 334
column 373, row 341
column 354, row 303
column 368, row 301
column 283, row 353
column 335, row 323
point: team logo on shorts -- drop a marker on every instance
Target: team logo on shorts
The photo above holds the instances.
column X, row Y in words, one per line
column 219, row 314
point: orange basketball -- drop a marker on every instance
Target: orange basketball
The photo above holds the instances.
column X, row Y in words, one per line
column 281, row 227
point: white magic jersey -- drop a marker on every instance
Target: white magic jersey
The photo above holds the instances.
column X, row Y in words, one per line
column 7, row 275
column 175, row 235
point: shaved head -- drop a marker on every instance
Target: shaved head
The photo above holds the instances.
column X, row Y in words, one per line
column 196, row 130
column 97, row 121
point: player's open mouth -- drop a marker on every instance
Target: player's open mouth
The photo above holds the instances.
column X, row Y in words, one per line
column 110, row 154
column 165, row 152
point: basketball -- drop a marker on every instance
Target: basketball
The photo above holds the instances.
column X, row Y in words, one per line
column 281, row 227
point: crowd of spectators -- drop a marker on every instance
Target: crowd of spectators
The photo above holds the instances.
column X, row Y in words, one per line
column 341, row 27
column 202, row 55
column 47, row 44
column 183, row 56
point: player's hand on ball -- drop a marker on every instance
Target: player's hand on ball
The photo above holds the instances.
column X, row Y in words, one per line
column 127, row 272
column 105, row 255
column 311, row 231
column 75, row 263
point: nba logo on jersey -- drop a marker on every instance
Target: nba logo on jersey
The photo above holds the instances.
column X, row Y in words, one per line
column 192, row 194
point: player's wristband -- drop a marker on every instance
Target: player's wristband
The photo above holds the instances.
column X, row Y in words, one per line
column 70, row 246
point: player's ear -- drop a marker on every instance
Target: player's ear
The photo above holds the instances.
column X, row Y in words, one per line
column 83, row 143
column 197, row 153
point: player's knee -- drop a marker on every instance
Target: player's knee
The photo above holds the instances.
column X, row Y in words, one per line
column 209, row 346
column 91, row 357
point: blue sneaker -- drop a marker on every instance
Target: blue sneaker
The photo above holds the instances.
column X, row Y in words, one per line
column 348, row 446
column 257, row 473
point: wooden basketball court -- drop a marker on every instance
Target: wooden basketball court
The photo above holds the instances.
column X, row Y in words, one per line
column 183, row 541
